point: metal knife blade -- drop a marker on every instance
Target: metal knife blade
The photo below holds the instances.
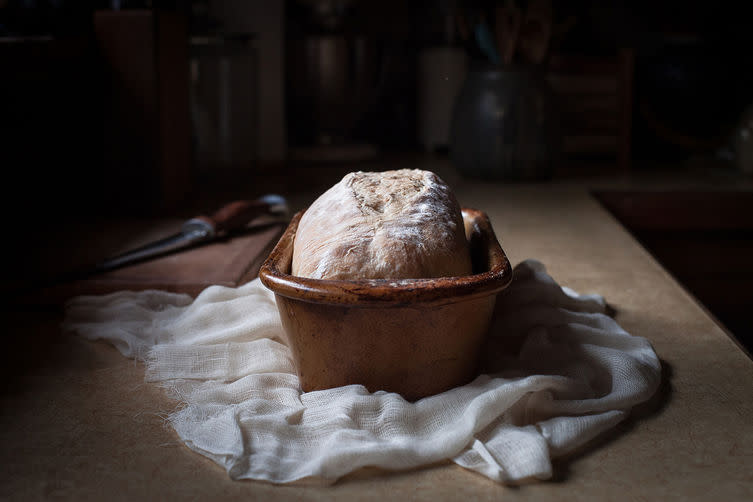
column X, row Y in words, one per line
column 199, row 230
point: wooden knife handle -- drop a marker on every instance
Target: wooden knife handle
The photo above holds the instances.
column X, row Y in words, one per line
column 235, row 215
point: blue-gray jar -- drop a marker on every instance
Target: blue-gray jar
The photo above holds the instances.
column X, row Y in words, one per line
column 505, row 125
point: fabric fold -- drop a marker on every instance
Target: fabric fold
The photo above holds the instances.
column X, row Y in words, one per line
column 558, row 372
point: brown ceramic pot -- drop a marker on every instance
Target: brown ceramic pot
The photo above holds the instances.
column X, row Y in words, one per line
column 416, row 337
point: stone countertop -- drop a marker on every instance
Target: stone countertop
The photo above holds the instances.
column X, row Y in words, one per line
column 79, row 422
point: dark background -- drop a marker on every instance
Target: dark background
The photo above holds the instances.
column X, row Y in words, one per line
column 71, row 150
column 693, row 77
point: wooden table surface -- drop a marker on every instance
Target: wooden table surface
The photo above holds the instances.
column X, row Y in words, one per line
column 79, row 422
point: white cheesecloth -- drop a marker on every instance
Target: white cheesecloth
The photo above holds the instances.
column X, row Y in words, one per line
column 575, row 374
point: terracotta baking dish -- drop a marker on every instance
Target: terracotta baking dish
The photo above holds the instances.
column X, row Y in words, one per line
column 416, row 337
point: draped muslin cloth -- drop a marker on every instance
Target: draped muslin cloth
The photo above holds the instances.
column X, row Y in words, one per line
column 558, row 371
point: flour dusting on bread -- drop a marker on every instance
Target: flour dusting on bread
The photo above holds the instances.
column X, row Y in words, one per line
column 383, row 225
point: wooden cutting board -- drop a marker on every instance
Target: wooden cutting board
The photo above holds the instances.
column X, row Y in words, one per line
column 232, row 261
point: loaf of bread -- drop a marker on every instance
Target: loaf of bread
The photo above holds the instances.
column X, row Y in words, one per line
column 402, row 224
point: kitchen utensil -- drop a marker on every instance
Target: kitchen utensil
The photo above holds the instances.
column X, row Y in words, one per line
column 536, row 31
column 157, row 265
column 416, row 337
column 508, row 21
column 200, row 229
column 464, row 23
column 485, row 41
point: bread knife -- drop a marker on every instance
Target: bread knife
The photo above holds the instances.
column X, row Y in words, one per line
column 200, row 230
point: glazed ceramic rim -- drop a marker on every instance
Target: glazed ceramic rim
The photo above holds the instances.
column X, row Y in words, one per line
column 274, row 275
